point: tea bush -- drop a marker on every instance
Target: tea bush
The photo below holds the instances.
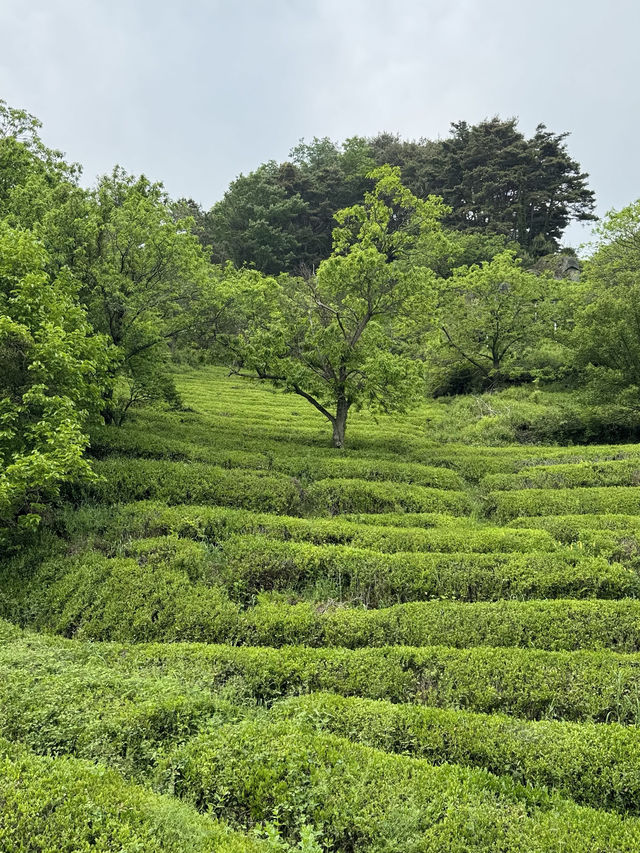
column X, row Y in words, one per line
column 595, row 764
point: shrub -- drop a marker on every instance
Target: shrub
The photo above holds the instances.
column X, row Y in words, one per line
column 180, row 482
column 362, row 799
column 552, row 625
column 55, row 705
column 54, row 804
column 600, row 686
column 253, row 563
column 119, row 599
column 612, row 473
column 340, row 496
column 506, row 506
column 595, row 764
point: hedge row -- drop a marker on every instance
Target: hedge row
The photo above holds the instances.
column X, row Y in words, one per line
column 600, row 686
column 362, row 799
column 192, row 482
column 476, row 462
column 353, row 495
column 49, row 805
column 94, row 597
column 142, row 444
column 533, row 684
column 508, row 505
column 253, row 563
column 130, row 721
column 594, row 764
column 144, row 519
column 122, row 599
column 617, row 473
column 196, row 482
column 58, row 705
column 552, row 625
column 570, row 528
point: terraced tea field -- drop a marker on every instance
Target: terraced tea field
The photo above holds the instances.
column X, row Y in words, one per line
column 240, row 639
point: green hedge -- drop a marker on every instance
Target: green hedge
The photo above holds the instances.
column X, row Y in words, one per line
column 114, row 526
column 603, row 686
column 570, row 528
column 95, row 597
column 49, row 805
column 190, row 482
column 254, row 563
column 508, row 505
column 196, row 482
column 134, row 441
column 347, row 466
column 362, row 799
column 552, row 625
column 56, row 705
column 120, row 599
column 534, row 684
column 352, row 495
column 594, row 764
column 617, row 473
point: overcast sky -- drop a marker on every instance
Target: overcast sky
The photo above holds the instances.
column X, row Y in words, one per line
column 194, row 94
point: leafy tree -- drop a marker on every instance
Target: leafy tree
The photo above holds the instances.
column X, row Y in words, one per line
column 141, row 274
column 280, row 217
column 491, row 315
column 498, row 182
column 52, row 369
column 255, row 223
column 33, row 178
column 414, row 158
column 607, row 327
column 199, row 224
column 343, row 338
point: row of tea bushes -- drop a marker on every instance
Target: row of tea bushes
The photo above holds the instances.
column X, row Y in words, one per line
column 317, row 466
column 94, row 597
column 112, row 527
column 123, row 479
column 477, row 462
column 114, row 524
column 122, row 599
column 571, row 528
column 55, row 705
column 353, row 495
column 601, row 686
column 617, row 473
column 49, row 805
column 251, row 564
column 507, row 505
column 551, row 625
column 363, row 799
column 593, row 763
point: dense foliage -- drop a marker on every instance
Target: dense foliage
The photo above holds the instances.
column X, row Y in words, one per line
column 217, row 631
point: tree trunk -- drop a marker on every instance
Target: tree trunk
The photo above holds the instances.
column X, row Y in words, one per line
column 340, row 422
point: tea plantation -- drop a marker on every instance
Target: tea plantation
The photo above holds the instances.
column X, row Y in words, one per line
column 237, row 638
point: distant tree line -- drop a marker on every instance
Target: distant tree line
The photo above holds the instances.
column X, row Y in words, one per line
column 496, row 182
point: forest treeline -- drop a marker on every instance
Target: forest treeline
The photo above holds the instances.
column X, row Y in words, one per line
column 358, row 274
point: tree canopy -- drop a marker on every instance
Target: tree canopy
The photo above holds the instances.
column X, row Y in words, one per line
column 341, row 338
column 498, row 183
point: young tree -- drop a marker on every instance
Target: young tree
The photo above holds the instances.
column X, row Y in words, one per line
column 491, row 314
column 343, row 338
column 52, row 370
column 606, row 335
column 141, row 274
